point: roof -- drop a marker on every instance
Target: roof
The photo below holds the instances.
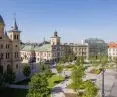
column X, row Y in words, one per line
column 29, row 47
column 1, row 20
column 44, row 47
column 94, row 40
column 112, row 45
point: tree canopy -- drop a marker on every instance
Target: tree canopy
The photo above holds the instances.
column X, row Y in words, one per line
column 26, row 70
column 38, row 87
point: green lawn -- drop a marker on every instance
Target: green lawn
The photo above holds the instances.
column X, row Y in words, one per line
column 8, row 92
column 55, row 79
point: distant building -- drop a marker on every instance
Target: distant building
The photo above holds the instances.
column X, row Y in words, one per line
column 52, row 50
column 97, row 47
column 112, row 50
column 45, row 51
column 9, row 48
column 79, row 49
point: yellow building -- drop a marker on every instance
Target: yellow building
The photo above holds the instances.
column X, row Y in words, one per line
column 9, row 47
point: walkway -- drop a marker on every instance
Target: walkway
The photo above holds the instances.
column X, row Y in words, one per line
column 18, row 86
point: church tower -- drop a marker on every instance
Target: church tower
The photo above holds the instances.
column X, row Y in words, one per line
column 2, row 25
column 14, row 36
column 55, row 40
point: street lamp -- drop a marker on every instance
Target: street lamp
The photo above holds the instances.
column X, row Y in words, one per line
column 102, row 72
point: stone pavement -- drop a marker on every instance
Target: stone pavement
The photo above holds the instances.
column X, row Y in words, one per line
column 109, row 80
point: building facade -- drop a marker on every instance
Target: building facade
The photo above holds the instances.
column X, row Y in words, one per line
column 112, row 50
column 45, row 51
column 52, row 50
column 9, row 48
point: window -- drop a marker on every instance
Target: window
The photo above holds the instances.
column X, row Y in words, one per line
column 6, row 55
column 7, row 46
column 1, row 46
column 16, row 55
column 17, row 37
column 1, row 56
column 14, row 36
column 16, row 66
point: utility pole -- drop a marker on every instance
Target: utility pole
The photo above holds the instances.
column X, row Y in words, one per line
column 102, row 71
column 103, row 83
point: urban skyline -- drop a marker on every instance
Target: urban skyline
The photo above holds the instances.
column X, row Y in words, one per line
column 73, row 20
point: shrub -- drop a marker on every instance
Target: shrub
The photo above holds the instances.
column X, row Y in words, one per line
column 26, row 70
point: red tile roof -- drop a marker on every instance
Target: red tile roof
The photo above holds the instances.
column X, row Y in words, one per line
column 112, row 45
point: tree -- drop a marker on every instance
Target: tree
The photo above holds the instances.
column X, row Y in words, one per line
column 26, row 70
column 82, row 60
column 90, row 89
column 59, row 69
column 38, row 87
column 115, row 60
column 9, row 76
column 77, row 76
column 78, row 61
column 44, row 68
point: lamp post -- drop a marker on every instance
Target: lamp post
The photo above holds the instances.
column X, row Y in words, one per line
column 102, row 72
column 103, row 94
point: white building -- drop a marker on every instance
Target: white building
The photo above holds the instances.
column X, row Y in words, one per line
column 112, row 50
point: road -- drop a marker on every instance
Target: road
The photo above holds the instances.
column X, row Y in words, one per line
column 110, row 83
column 114, row 90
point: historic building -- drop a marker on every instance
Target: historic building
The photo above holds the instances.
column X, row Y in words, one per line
column 9, row 47
column 112, row 50
column 79, row 49
column 52, row 50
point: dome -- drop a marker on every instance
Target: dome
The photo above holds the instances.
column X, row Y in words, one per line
column 1, row 20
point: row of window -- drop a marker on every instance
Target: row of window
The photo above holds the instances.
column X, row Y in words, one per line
column 8, row 55
column 112, row 53
column 2, row 55
column 114, row 49
column 37, row 54
column 2, row 46
column 15, row 36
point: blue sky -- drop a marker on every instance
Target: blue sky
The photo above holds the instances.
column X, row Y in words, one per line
column 73, row 19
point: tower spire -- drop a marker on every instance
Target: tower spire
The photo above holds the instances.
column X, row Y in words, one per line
column 15, row 23
column 6, row 33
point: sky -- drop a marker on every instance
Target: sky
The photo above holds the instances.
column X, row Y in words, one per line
column 74, row 20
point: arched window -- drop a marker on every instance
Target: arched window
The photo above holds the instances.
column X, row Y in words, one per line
column 17, row 37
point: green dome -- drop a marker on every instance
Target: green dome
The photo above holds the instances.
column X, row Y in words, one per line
column 1, row 20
